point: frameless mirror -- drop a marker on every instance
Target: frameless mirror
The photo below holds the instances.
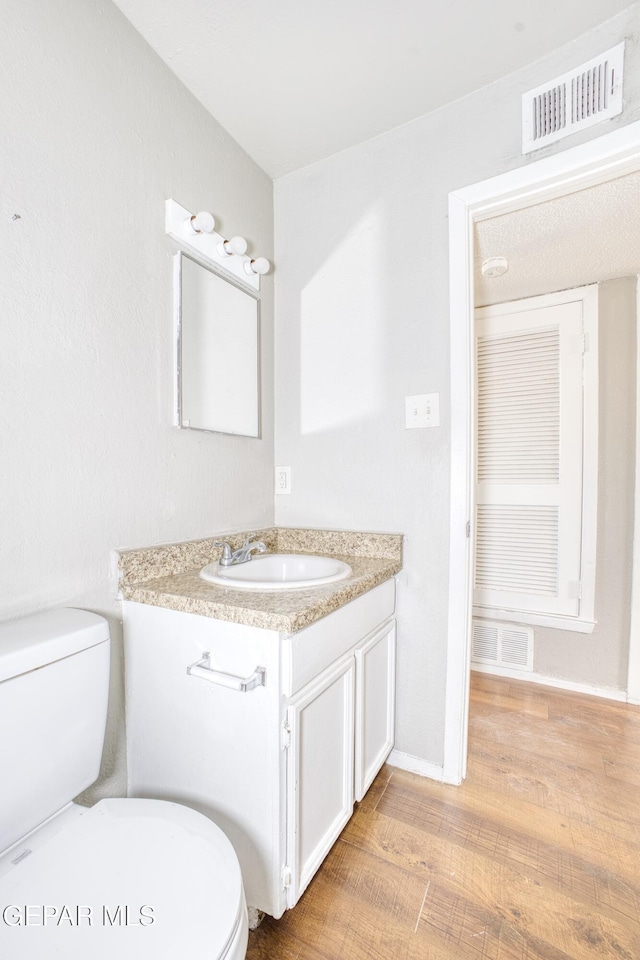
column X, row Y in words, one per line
column 218, row 352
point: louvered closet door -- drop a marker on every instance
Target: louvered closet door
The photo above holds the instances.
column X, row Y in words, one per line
column 529, row 458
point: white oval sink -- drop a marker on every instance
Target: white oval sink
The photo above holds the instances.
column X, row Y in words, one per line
column 277, row 571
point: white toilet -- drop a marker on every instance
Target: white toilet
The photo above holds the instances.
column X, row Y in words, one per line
column 124, row 879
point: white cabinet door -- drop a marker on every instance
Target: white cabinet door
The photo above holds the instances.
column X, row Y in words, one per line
column 319, row 771
column 375, row 705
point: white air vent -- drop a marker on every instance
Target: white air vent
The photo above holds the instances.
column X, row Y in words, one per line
column 502, row 644
column 578, row 99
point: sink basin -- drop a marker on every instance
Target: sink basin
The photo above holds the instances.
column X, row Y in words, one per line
column 277, row 571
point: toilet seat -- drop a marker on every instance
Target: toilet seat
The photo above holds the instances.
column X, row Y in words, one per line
column 138, row 879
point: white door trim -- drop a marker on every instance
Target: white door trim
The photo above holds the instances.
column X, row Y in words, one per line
column 603, row 158
column 633, row 679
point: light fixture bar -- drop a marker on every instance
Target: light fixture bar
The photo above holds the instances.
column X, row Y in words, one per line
column 197, row 233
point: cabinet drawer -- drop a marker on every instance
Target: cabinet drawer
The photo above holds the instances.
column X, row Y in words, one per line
column 309, row 652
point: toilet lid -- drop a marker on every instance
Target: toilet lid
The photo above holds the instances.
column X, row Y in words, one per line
column 128, row 879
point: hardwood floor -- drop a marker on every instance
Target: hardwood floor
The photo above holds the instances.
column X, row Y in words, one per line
column 535, row 857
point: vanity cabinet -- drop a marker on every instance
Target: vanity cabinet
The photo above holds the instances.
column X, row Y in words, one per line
column 339, row 731
column 279, row 766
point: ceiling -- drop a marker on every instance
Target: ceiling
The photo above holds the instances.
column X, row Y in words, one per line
column 294, row 81
column 564, row 243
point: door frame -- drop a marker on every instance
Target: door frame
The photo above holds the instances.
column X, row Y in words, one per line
column 604, row 158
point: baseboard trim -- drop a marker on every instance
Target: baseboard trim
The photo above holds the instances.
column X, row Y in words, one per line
column 405, row 761
column 607, row 693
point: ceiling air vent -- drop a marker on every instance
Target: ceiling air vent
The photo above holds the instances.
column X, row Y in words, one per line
column 502, row 644
column 578, row 99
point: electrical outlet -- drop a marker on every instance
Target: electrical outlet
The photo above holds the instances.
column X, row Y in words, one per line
column 283, row 480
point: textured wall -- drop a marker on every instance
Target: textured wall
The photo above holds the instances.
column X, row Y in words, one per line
column 95, row 134
column 363, row 320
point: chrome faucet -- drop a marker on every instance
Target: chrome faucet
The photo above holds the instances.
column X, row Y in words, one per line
column 242, row 554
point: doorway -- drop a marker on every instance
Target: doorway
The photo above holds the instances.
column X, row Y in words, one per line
column 598, row 161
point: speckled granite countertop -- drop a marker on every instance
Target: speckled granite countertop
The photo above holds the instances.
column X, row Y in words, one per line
column 168, row 576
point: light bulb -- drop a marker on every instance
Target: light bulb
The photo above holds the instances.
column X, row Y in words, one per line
column 260, row 266
column 202, row 222
column 236, row 245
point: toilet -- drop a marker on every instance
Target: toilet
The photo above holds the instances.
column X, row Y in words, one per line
column 124, row 879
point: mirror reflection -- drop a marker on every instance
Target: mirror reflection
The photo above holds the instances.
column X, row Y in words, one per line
column 217, row 381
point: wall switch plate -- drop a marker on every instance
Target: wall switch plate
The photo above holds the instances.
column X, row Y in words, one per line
column 422, row 410
column 283, row 480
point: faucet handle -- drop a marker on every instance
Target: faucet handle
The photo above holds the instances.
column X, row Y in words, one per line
column 255, row 544
column 226, row 548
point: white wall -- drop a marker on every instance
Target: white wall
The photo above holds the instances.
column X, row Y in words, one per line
column 95, row 134
column 362, row 306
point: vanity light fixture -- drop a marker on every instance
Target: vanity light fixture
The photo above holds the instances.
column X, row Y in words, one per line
column 196, row 232
column 202, row 222
column 260, row 266
column 237, row 245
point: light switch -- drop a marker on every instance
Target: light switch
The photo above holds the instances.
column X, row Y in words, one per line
column 422, row 410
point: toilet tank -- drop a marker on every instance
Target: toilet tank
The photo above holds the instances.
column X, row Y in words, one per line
column 54, row 686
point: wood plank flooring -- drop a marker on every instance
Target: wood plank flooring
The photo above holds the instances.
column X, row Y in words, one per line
column 535, row 857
